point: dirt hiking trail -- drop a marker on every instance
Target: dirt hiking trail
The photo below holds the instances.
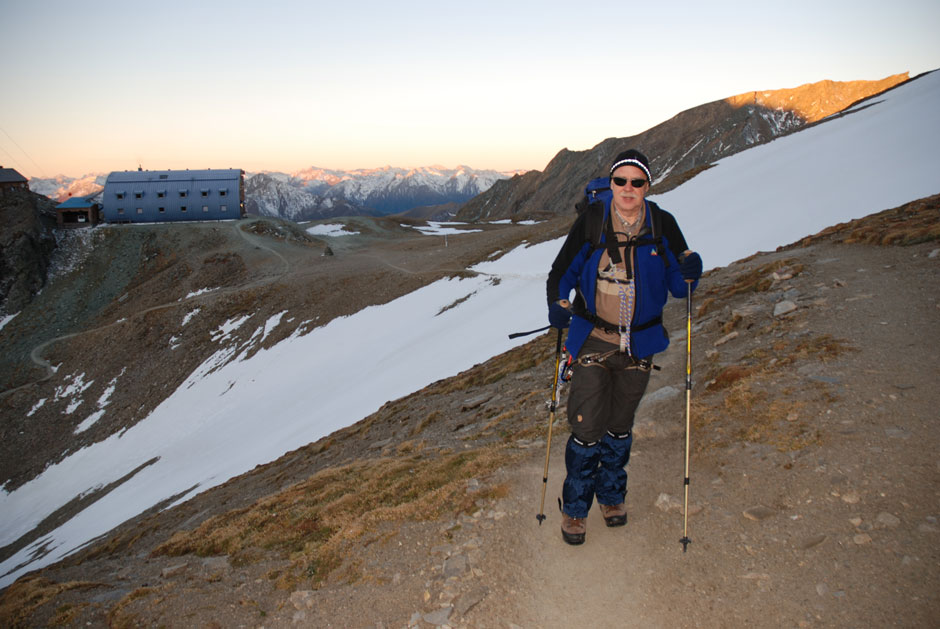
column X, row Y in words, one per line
column 841, row 533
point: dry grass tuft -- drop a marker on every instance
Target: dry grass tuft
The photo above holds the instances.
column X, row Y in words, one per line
column 120, row 618
column 754, row 281
column 119, row 543
column 750, row 413
column 429, row 419
column 909, row 224
column 538, row 429
column 65, row 615
column 500, row 491
column 500, row 419
column 310, row 523
column 743, row 402
column 728, row 376
column 323, row 445
column 705, row 306
column 27, row 594
column 410, row 446
column 730, row 325
column 823, row 348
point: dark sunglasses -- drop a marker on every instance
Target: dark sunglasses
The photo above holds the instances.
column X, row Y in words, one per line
column 621, row 182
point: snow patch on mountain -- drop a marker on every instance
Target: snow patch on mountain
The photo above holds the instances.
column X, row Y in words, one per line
column 323, row 193
column 330, row 229
column 60, row 187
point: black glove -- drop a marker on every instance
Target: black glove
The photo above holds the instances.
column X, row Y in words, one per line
column 558, row 316
column 691, row 266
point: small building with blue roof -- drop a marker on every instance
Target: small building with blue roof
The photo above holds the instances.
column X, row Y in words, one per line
column 78, row 212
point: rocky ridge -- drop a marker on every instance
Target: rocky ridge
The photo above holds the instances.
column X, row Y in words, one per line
column 679, row 147
column 26, row 245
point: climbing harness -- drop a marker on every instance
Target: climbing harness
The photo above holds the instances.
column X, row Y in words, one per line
column 600, row 358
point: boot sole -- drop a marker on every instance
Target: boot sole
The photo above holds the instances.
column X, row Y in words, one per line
column 574, row 539
column 617, row 520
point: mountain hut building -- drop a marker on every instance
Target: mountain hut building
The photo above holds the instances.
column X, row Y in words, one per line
column 152, row 196
column 10, row 179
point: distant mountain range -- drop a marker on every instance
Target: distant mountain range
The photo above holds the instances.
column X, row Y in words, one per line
column 60, row 188
column 318, row 193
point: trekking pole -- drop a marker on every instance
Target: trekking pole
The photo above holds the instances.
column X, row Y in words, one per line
column 688, row 411
column 551, row 420
column 518, row 334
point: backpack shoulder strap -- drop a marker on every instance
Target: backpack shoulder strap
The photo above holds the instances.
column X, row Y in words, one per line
column 667, row 228
column 598, row 230
column 656, row 216
column 594, row 222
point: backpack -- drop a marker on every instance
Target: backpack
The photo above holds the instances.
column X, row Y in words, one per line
column 598, row 191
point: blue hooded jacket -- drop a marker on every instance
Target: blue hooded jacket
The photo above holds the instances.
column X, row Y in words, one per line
column 575, row 268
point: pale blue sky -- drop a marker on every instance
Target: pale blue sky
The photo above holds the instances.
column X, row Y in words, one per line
column 99, row 86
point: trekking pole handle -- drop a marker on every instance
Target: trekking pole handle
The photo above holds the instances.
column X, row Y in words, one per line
column 688, row 331
column 515, row 335
column 564, row 303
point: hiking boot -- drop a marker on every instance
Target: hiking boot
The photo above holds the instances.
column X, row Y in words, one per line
column 614, row 515
column 572, row 529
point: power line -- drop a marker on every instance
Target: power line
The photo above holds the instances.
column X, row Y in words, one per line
column 15, row 161
column 38, row 167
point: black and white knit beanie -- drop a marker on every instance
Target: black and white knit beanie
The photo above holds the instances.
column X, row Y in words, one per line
column 632, row 157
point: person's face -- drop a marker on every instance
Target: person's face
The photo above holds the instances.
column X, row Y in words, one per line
column 627, row 199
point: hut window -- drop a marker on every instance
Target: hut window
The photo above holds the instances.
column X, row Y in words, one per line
column 182, row 208
column 161, row 210
column 161, row 194
column 138, row 194
column 140, row 210
column 120, row 210
column 205, row 208
column 223, row 192
column 183, row 193
column 205, row 192
column 120, row 195
column 223, row 208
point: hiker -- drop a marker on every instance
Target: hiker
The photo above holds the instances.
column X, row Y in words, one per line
column 620, row 257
